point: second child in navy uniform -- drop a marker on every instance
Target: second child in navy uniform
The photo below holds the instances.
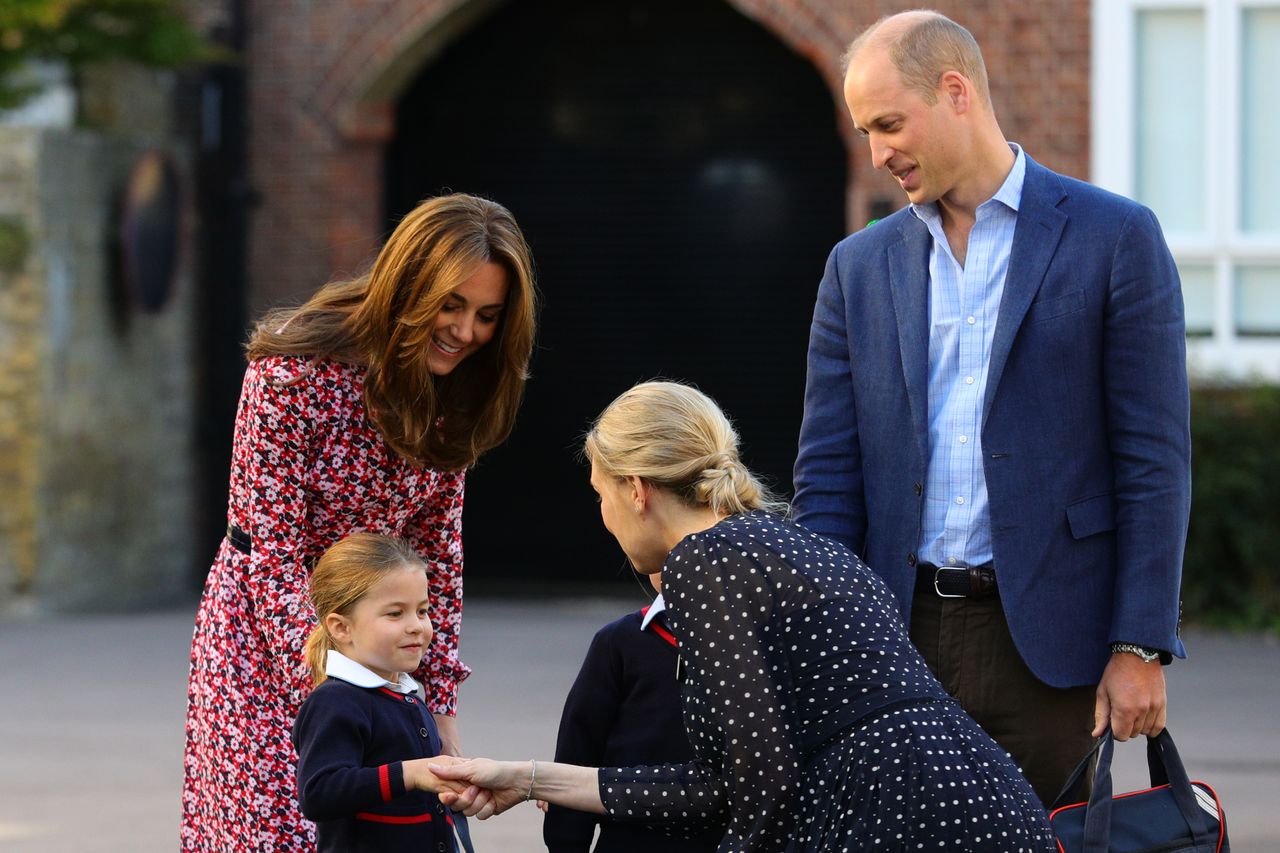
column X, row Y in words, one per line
column 364, row 736
column 624, row 710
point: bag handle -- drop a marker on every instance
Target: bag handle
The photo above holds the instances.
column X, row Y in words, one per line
column 1163, row 762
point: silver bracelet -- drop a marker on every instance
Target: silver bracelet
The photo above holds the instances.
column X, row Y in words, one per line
column 533, row 776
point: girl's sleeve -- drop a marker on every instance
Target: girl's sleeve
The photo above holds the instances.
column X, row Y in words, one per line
column 273, row 443
column 330, row 738
column 590, row 712
column 436, row 534
column 749, row 758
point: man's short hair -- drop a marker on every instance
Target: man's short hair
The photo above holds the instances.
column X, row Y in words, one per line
column 927, row 49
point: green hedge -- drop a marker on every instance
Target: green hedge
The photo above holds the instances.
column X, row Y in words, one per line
column 1232, row 573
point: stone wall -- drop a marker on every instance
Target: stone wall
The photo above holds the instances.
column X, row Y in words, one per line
column 95, row 396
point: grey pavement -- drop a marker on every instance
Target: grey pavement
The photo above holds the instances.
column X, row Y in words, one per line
column 91, row 721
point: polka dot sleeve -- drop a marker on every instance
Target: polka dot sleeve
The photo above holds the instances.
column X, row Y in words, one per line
column 720, row 606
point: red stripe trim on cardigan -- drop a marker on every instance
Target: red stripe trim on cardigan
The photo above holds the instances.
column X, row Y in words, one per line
column 663, row 633
column 384, row 782
column 390, row 818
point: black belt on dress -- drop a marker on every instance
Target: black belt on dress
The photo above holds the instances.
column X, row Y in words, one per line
column 239, row 539
column 960, row 581
column 243, row 542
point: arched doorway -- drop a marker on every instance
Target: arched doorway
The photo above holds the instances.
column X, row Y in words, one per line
column 681, row 178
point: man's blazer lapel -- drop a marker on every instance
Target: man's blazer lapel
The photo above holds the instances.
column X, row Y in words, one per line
column 1035, row 240
column 909, row 286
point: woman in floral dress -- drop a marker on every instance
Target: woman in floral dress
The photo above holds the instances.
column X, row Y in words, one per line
column 361, row 410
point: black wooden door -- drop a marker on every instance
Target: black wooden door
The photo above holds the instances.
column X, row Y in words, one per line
column 680, row 177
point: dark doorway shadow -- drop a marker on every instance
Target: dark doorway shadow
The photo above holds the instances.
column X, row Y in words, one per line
column 680, row 176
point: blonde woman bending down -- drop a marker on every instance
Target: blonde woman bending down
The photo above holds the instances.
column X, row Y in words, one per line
column 815, row 723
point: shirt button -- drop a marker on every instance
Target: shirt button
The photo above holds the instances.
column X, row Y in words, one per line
column 960, row 501
column 971, row 319
column 963, row 439
column 968, row 380
column 952, row 560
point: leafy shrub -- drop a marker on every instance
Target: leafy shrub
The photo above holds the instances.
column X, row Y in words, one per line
column 1231, row 577
column 77, row 32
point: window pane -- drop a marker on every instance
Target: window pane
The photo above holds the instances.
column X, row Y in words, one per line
column 1171, row 118
column 1258, row 300
column 1260, row 113
column 1197, row 297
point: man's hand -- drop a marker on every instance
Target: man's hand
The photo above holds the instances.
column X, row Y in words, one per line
column 1130, row 698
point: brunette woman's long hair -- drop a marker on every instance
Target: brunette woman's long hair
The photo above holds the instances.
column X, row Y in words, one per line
column 343, row 576
column 384, row 319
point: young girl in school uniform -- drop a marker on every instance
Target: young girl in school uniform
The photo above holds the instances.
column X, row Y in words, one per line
column 364, row 736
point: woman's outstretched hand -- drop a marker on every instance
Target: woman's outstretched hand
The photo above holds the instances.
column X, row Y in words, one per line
column 419, row 777
column 494, row 786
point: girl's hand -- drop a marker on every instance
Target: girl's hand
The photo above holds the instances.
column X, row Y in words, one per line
column 418, row 776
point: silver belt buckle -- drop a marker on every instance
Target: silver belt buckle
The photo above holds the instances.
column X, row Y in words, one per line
column 940, row 593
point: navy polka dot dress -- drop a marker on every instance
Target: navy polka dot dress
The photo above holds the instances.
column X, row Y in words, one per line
column 816, row 724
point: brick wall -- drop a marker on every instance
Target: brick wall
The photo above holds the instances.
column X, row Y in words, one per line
column 324, row 77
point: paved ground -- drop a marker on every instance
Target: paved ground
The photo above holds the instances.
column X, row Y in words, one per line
column 91, row 722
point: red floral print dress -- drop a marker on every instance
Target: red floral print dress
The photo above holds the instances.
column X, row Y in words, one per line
column 308, row 468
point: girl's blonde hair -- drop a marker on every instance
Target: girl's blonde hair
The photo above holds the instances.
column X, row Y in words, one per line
column 675, row 437
column 384, row 320
column 346, row 572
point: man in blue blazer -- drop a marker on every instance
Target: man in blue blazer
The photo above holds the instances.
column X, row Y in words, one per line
column 996, row 412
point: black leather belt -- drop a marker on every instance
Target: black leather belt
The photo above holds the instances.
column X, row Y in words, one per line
column 243, row 542
column 239, row 539
column 960, row 581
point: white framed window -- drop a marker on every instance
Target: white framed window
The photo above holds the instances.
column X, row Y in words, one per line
column 1186, row 119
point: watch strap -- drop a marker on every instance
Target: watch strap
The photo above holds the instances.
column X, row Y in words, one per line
column 1147, row 655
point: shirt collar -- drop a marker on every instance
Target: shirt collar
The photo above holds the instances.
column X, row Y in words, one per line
column 339, row 666
column 1009, row 194
column 654, row 609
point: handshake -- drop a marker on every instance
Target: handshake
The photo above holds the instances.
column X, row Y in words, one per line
column 482, row 787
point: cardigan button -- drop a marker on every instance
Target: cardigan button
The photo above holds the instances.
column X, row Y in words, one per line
column 423, row 731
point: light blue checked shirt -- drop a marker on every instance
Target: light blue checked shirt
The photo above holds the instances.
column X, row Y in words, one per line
column 964, row 303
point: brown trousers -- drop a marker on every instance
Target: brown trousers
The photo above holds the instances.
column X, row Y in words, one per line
column 966, row 642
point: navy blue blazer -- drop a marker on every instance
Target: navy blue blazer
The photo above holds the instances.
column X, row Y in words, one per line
column 1085, row 423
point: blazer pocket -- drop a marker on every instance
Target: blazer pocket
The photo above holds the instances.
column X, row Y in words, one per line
column 1092, row 515
column 1047, row 309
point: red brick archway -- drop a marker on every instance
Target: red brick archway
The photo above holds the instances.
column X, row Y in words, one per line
column 326, row 77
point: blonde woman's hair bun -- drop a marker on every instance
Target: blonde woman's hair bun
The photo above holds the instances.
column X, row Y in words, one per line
column 676, row 437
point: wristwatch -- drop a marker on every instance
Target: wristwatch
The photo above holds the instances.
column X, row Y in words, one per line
column 1147, row 655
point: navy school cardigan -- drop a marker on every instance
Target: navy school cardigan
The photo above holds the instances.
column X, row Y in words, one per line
column 622, row 711
column 352, row 742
